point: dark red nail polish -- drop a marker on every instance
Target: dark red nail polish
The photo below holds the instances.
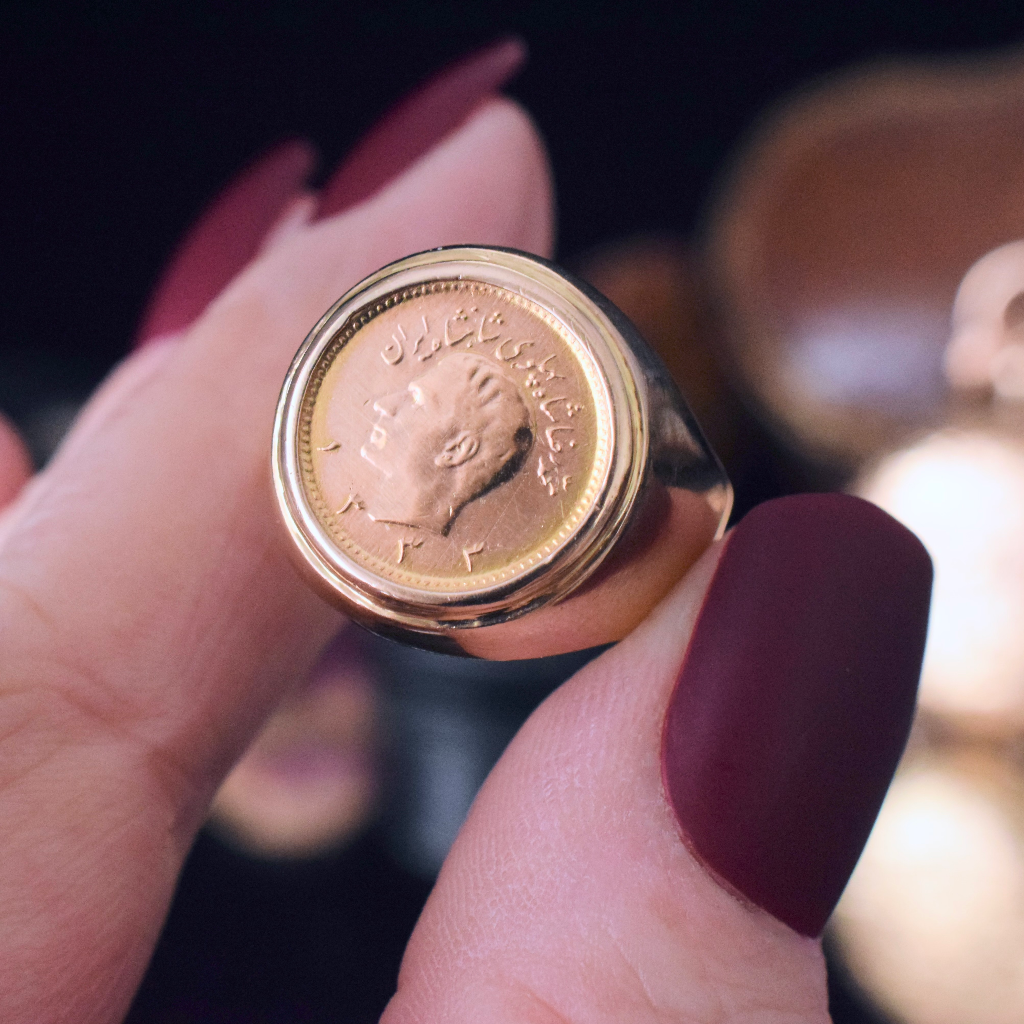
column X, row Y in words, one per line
column 795, row 699
column 225, row 238
column 418, row 122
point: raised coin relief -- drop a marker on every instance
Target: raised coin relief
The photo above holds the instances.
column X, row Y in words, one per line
column 468, row 553
column 407, row 542
column 456, row 435
column 448, row 437
column 352, row 501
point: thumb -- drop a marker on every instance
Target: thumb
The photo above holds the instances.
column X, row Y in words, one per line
column 667, row 835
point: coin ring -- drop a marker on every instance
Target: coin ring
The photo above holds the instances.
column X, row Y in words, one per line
column 465, row 435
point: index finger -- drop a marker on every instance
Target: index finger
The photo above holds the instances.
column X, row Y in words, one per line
column 148, row 610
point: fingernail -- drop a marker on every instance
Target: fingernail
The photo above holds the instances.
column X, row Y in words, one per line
column 225, row 238
column 418, row 122
column 794, row 701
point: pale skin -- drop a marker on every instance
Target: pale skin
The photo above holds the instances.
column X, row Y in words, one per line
column 150, row 621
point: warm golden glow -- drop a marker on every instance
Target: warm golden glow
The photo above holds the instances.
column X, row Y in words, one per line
column 962, row 493
column 932, row 922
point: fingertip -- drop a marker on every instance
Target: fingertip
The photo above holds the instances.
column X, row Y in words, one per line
column 226, row 237
column 418, row 121
column 509, row 195
column 534, row 183
column 488, row 183
column 794, row 701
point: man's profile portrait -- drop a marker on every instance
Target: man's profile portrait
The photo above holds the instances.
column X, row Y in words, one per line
column 454, row 433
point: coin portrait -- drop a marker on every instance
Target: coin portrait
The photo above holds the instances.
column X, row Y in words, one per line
column 450, row 436
column 454, row 436
column 465, row 437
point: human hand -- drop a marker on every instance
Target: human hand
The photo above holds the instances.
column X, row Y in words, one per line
column 151, row 619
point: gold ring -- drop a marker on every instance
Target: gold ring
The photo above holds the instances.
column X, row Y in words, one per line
column 476, row 453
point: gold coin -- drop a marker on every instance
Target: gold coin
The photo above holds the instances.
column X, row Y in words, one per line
column 454, row 436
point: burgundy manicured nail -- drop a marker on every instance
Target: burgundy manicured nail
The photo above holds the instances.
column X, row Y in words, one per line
column 795, row 699
column 418, row 122
column 225, row 238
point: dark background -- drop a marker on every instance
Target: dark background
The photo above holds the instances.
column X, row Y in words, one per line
column 120, row 120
